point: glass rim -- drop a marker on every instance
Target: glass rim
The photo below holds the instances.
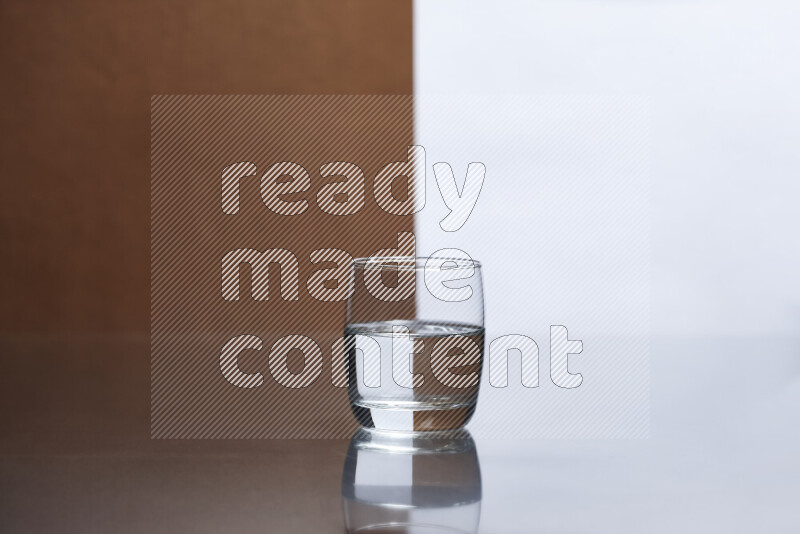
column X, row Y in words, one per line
column 411, row 262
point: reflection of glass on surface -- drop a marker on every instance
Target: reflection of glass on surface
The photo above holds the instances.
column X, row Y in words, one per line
column 411, row 483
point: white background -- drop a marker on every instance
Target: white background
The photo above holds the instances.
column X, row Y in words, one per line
column 723, row 79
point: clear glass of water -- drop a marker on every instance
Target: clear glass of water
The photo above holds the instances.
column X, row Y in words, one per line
column 414, row 337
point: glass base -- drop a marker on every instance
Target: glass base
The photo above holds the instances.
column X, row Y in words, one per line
column 413, row 416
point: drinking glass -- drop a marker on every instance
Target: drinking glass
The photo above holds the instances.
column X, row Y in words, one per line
column 414, row 338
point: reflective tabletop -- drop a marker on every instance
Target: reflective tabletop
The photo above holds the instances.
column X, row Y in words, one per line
column 722, row 457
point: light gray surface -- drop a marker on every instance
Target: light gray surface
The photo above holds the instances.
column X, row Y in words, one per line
column 722, row 457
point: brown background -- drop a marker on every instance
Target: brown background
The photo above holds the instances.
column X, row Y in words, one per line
column 77, row 82
column 75, row 452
